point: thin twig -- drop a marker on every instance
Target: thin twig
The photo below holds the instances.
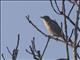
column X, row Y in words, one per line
column 27, row 17
column 78, row 43
column 15, row 50
column 18, row 41
column 57, row 6
column 45, row 46
column 9, row 51
column 39, row 54
column 71, row 34
column 53, row 7
column 61, row 26
column 33, row 51
column 78, row 56
column 71, row 21
column 75, row 41
column 28, row 51
column 65, row 23
column 33, row 44
column 78, row 13
column 3, row 57
column 71, row 9
column 76, row 35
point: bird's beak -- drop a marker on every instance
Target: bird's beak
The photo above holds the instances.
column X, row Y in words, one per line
column 41, row 17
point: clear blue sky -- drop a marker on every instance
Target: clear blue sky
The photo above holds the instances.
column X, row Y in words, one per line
column 13, row 21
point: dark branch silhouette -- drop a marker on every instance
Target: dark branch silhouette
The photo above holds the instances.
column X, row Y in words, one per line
column 9, row 51
column 61, row 13
column 15, row 50
column 3, row 56
column 27, row 17
column 33, row 51
column 71, row 9
column 65, row 27
column 46, row 46
column 54, row 8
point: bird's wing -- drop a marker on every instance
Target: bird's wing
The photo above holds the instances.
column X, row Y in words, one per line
column 56, row 27
column 56, row 24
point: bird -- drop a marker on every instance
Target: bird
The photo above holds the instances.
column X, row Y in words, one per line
column 52, row 27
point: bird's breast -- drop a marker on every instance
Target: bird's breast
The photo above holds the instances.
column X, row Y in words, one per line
column 48, row 27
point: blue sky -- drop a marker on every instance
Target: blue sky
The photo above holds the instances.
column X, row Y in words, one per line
column 13, row 21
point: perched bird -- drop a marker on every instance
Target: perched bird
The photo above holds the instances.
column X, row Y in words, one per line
column 53, row 28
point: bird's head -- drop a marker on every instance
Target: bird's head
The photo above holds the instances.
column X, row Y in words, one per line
column 45, row 18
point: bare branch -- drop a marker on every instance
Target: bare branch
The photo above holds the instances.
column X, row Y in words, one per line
column 76, row 35
column 36, row 53
column 46, row 46
column 71, row 9
column 18, row 41
column 27, row 17
column 15, row 50
column 71, row 21
column 71, row 34
column 78, row 43
column 33, row 51
column 15, row 53
column 9, row 51
column 61, row 26
column 3, row 57
column 57, row 6
column 28, row 51
column 33, row 44
column 65, row 25
column 78, row 55
column 53, row 7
